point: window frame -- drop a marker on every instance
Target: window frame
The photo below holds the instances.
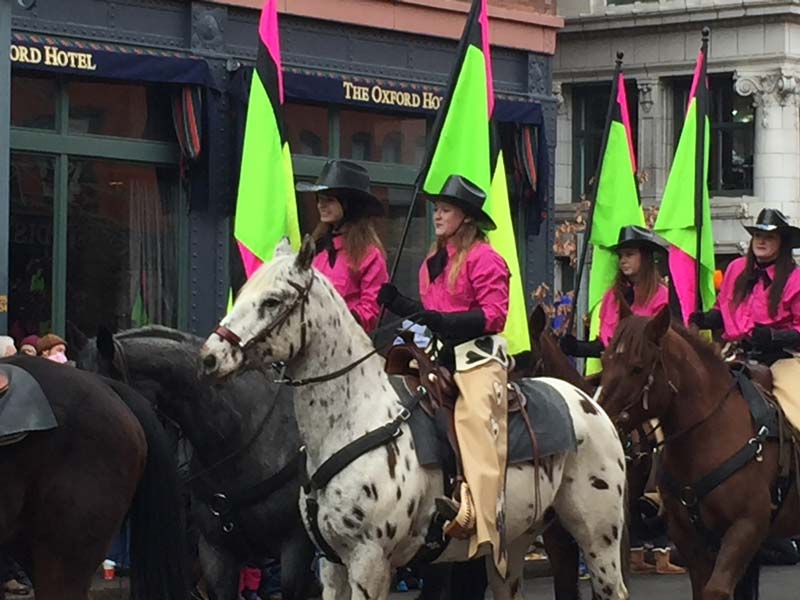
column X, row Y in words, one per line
column 64, row 145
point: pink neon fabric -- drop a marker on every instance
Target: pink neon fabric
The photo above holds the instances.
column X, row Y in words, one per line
column 249, row 579
column 609, row 310
column 682, row 269
column 251, row 261
column 483, row 19
column 268, row 31
column 695, row 79
column 622, row 100
column 359, row 287
column 754, row 310
column 482, row 283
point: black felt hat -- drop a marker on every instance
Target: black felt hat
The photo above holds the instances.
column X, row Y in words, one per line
column 634, row 236
column 345, row 180
column 771, row 219
column 467, row 196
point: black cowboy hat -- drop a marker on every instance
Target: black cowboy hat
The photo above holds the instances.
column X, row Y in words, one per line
column 633, row 236
column 347, row 181
column 467, row 196
column 771, row 219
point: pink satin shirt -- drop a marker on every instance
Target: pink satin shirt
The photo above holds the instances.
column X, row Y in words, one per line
column 740, row 320
column 482, row 284
column 609, row 310
column 358, row 287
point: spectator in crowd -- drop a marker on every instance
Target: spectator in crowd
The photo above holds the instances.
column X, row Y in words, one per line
column 28, row 345
column 7, row 347
column 52, row 347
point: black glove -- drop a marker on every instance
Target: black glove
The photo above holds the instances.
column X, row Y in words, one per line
column 571, row 346
column 707, row 320
column 786, row 338
column 457, row 327
column 393, row 300
column 761, row 338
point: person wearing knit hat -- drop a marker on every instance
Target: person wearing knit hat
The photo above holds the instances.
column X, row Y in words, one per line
column 52, row 347
column 28, row 345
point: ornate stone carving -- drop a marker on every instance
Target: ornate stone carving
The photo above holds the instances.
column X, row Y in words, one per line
column 208, row 27
column 770, row 89
column 561, row 102
column 646, row 94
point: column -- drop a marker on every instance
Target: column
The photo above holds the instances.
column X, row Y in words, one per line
column 776, row 164
column 652, row 161
column 5, row 155
column 563, row 164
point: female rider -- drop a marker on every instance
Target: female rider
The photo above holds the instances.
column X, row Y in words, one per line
column 464, row 286
column 349, row 252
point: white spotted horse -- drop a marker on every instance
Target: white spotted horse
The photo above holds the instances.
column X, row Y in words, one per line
column 372, row 513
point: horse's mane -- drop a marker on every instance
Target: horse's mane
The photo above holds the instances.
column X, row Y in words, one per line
column 632, row 335
column 157, row 332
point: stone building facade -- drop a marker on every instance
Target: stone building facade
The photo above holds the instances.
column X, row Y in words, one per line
column 754, row 74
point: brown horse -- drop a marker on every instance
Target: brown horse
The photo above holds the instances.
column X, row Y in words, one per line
column 65, row 491
column 652, row 369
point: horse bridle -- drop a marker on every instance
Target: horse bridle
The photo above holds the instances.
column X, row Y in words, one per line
column 300, row 301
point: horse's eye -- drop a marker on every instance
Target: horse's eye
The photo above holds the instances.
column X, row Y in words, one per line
column 272, row 303
column 636, row 370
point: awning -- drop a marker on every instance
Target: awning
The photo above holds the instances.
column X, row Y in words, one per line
column 383, row 95
column 108, row 61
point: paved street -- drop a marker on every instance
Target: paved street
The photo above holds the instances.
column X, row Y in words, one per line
column 777, row 583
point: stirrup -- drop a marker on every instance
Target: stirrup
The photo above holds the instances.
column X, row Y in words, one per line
column 460, row 517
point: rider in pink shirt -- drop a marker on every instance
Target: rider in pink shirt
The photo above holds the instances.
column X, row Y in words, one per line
column 349, row 252
column 637, row 284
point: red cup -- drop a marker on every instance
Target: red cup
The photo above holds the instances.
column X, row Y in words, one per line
column 108, row 570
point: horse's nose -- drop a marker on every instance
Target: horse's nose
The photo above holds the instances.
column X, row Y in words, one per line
column 210, row 363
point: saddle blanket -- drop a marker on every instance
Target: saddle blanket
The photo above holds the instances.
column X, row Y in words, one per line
column 547, row 411
column 23, row 407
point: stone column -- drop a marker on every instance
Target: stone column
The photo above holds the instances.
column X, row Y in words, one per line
column 652, row 162
column 776, row 164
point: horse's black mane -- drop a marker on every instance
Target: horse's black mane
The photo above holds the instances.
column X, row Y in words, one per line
column 157, row 332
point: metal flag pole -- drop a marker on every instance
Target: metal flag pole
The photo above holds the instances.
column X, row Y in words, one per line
column 699, row 169
column 593, row 192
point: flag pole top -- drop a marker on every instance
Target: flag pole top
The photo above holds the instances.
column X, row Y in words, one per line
column 620, row 55
column 706, row 33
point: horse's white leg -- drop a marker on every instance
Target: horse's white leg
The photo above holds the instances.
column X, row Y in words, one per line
column 510, row 588
column 370, row 573
column 591, row 506
column 335, row 585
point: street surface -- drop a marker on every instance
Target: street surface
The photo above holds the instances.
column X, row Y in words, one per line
column 777, row 583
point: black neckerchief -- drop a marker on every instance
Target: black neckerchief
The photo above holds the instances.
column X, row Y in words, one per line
column 629, row 295
column 437, row 263
column 326, row 243
column 760, row 274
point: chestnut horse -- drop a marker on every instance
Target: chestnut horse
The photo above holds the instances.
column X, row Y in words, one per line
column 653, row 369
column 66, row 491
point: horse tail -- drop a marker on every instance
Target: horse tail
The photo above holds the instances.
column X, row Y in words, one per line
column 158, row 534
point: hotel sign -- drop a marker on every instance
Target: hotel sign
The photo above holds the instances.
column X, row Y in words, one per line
column 377, row 95
column 53, row 57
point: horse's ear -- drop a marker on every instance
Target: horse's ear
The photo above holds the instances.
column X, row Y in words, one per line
column 624, row 310
column 659, row 325
column 76, row 339
column 284, row 247
column 306, row 254
column 105, row 343
column 538, row 322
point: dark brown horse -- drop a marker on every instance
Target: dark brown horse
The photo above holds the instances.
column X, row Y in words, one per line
column 654, row 370
column 65, row 492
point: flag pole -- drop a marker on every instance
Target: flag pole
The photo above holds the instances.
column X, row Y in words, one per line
column 593, row 192
column 699, row 172
column 406, row 227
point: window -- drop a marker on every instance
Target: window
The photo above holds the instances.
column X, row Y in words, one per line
column 730, row 165
column 381, row 137
column 590, row 107
column 308, row 130
column 96, row 226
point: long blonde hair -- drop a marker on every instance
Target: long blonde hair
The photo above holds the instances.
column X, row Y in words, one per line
column 357, row 237
column 464, row 239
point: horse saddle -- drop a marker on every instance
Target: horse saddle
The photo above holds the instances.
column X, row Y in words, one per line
column 755, row 384
column 23, row 405
column 544, row 429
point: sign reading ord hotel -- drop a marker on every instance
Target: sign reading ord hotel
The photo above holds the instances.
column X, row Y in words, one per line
column 378, row 95
column 52, row 56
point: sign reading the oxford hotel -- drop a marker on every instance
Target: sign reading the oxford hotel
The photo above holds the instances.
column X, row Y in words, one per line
column 52, row 56
column 375, row 94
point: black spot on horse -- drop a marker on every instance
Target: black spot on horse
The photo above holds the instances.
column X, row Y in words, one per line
column 392, row 459
column 408, row 464
column 607, row 540
column 603, row 570
column 374, row 491
column 363, row 590
column 411, row 506
column 348, row 523
column 390, row 530
column 615, row 531
column 619, row 489
column 378, row 532
column 608, row 591
column 331, row 421
column 588, row 407
column 592, row 555
column 358, row 513
column 621, row 465
column 367, row 491
column 399, row 493
column 598, row 483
